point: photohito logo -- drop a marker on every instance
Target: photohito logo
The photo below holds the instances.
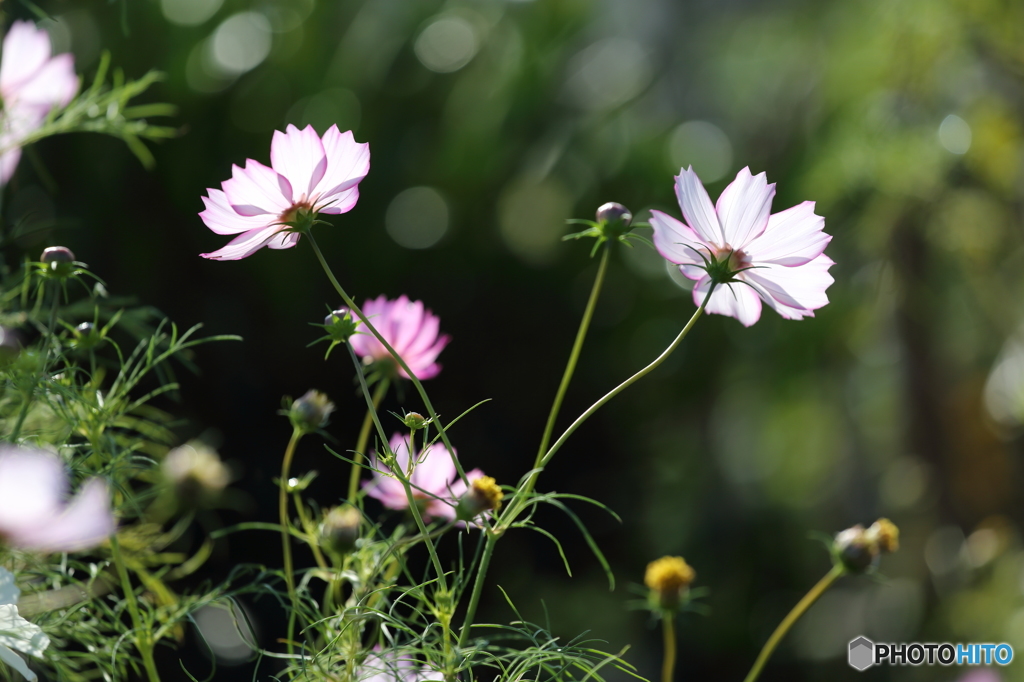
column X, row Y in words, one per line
column 864, row 653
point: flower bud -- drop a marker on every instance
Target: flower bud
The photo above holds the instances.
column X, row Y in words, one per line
column 340, row 529
column 484, row 494
column 669, row 579
column 86, row 336
column 310, row 412
column 415, row 421
column 612, row 213
column 196, row 472
column 858, row 549
column 59, row 260
column 340, row 325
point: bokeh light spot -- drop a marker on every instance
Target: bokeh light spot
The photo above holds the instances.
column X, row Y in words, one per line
column 189, row 12
column 702, row 145
column 334, row 106
column 532, row 218
column 241, row 43
column 608, row 73
column 955, row 134
column 447, row 44
column 417, row 218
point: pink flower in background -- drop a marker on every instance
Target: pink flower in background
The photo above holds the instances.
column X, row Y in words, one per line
column 31, row 83
column 435, row 481
column 33, row 513
column 410, row 329
column 308, row 174
column 779, row 258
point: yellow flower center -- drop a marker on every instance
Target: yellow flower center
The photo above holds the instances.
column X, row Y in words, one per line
column 669, row 575
column 487, row 490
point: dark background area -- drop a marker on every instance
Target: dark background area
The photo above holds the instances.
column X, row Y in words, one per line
column 902, row 398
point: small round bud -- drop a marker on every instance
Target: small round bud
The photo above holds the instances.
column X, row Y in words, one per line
column 484, row 494
column 340, row 529
column 57, row 254
column 340, row 325
column 855, row 549
column 86, row 336
column 612, row 213
column 59, row 261
column 415, row 421
column 669, row 579
column 885, row 535
column 196, row 472
column 310, row 412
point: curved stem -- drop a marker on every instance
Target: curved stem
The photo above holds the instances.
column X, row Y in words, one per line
column 286, row 545
column 574, row 355
column 669, row 631
column 474, row 599
column 519, row 499
column 792, row 617
column 398, row 358
column 364, row 438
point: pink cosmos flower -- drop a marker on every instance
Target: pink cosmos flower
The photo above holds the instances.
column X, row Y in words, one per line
column 435, row 483
column 308, row 174
column 33, row 513
column 779, row 259
column 31, row 83
column 410, row 329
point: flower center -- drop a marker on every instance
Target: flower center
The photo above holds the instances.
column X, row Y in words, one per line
column 736, row 258
column 300, row 211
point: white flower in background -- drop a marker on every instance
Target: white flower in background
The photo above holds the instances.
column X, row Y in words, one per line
column 31, row 83
column 33, row 513
column 15, row 631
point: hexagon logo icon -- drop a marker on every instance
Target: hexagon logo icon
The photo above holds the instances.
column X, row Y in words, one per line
column 862, row 653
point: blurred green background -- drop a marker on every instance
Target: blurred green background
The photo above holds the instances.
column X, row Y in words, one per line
column 490, row 122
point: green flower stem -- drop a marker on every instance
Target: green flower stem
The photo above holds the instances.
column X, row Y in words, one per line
column 309, row 529
column 398, row 358
column 286, row 545
column 474, row 598
column 570, row 367
column 792, row 617
column 668, row 629
column 142, row 635
column 364, row 438
column 521, row 496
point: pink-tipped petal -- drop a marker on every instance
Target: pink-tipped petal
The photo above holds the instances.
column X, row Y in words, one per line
column 222, row 219
column 434, row 471
column 735, row 299
column 676, row 242
column 244, row 244
column 85, row 523
column 743, row 208
column 697, row 208
column 257, row 190
column 299, row 156
column 793, row 237
column 348, row 162
column 25, row 51
column 801, row 288
column 32, row 483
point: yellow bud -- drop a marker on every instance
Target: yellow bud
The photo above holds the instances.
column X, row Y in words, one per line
column 669, row 578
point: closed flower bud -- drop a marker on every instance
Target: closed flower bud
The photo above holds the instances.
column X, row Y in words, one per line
column 885, row 535
column 612, row 213
column 340, row 325
column 340, row 529
column 415, row 421
column 669, row 579
column 858, row 548
column 310, row 412
column 196, row 472
column 86, row 336
column 59, row 261
column 484, row 494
